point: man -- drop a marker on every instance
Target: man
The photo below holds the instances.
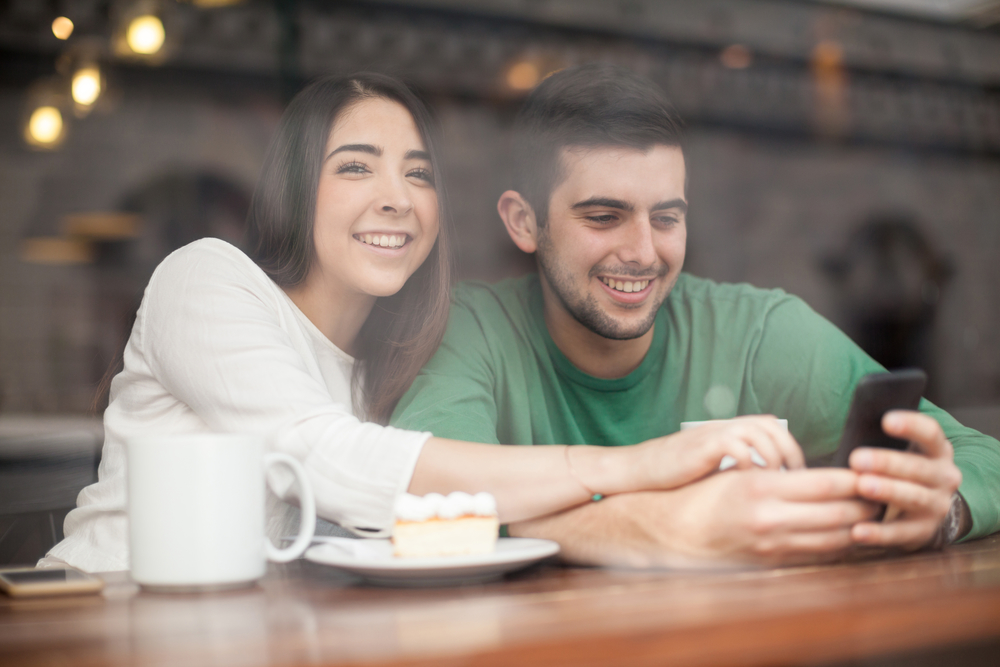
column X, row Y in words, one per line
column 611, row 344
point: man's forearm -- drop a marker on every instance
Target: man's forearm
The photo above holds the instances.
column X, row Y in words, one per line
column 737, row 518
column 612, row 532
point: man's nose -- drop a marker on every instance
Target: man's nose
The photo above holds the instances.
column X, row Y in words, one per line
column 393, row 198
column 636, row 245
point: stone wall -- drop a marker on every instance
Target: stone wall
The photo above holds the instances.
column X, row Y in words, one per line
column 771, row 199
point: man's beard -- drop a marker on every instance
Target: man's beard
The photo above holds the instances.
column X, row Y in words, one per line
column 584, row 308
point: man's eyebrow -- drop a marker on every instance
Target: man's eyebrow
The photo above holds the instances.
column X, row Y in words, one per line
column 672, row 203
column 605, row 202
column 417, row 155
column 360, row 148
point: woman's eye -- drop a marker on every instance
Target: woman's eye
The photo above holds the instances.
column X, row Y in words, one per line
column 423, row 174
column 352, row 168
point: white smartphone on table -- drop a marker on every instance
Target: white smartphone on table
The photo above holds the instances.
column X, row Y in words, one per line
column 31, row 582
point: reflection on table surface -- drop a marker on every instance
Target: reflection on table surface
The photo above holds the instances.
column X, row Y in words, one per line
column 549, row 614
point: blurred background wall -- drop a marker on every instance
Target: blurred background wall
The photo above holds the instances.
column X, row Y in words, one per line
column 847, row 152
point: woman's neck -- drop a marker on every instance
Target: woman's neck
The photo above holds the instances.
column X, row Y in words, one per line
column 338, row 314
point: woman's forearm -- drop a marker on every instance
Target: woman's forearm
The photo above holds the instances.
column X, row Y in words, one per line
column 527, row 482
column 531, row 482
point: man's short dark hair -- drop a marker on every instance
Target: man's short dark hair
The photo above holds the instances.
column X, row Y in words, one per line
column 590, row 105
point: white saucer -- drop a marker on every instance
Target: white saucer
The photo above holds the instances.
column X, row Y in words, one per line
column 373, row 561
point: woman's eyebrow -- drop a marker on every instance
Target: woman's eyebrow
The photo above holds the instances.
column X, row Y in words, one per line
column 360, row 148
column 417, row 155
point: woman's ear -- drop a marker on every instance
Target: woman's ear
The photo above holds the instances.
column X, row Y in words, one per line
column 519, row 219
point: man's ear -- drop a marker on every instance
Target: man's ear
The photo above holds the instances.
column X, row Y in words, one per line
column 519, row 219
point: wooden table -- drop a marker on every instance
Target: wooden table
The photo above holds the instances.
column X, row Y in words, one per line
column 306, row 614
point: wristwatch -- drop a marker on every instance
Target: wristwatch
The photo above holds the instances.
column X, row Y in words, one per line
column 947, row 532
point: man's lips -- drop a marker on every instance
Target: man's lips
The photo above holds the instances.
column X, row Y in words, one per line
column 627, row 291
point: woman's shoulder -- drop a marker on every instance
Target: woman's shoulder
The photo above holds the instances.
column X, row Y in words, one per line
column 215, row 251
column 207, row 275
column 209, row 259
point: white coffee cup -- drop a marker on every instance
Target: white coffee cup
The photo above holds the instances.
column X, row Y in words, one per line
column 196, row 510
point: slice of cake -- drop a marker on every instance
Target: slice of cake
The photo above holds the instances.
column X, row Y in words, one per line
column 434, row 525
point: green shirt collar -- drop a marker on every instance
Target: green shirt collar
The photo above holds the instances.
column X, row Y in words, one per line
column 566, row 368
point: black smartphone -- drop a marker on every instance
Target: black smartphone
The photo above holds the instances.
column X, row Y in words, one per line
column 875, row 395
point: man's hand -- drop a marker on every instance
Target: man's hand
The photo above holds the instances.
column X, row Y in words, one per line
column 736, row 518
column 917, row 486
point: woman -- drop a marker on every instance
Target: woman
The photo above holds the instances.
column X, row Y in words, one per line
column 343, row 298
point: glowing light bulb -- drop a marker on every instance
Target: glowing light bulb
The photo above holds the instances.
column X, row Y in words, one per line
column 145, row 35
column 62, row 27
column 86, row 85
column 736, row 56
column 523, row 76
column 45, row 126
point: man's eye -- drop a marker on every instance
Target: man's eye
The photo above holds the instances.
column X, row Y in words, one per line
column 666, row 222
column 423, row 174
column 354, row 167
column 606, row 218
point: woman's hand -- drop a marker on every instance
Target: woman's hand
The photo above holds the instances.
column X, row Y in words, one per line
column 683, row 457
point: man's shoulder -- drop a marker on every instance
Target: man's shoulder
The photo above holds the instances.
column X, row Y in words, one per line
column 509, row 299
column 698, row 291
column 740, row 311
column 500, row 315
column 694, row 294
column 479, row 292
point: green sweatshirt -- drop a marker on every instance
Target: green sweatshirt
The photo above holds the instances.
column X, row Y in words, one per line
column 718, row 350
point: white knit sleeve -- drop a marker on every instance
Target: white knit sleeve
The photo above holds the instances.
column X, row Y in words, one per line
column 213, row 335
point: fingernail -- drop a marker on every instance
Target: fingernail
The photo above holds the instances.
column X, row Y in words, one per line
column 862, row 532
column 894, row 420
column 862, row 460
column 869, row 485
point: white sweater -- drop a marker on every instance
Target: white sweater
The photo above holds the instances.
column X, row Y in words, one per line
column 217, row 346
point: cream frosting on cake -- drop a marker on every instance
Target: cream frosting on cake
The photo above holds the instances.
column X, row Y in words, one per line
column 436, row 525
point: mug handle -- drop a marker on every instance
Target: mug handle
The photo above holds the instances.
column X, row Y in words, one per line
column 307, row 505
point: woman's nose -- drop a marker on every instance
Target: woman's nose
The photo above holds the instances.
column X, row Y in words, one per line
column 394, row 199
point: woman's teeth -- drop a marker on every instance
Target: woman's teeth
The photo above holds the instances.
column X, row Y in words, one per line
column 390, row 241
column 626, row 286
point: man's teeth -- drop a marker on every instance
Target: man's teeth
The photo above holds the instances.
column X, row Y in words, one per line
column 626, row 286
column 390, row 241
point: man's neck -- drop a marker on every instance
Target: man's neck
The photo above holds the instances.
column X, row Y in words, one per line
column 590, row 352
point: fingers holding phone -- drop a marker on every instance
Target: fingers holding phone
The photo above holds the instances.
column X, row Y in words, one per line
column 902, row 458
column 917, row 485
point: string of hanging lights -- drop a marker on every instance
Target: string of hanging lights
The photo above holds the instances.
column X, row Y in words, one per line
column 142, row 32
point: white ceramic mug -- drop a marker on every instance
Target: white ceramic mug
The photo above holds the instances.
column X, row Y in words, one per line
column 196, row 510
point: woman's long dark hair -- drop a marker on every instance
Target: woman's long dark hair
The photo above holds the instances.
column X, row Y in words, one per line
column 403, row 330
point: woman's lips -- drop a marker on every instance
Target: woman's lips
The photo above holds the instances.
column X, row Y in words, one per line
column 383, row 240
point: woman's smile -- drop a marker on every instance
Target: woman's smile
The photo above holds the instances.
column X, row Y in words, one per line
column 384, row 240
